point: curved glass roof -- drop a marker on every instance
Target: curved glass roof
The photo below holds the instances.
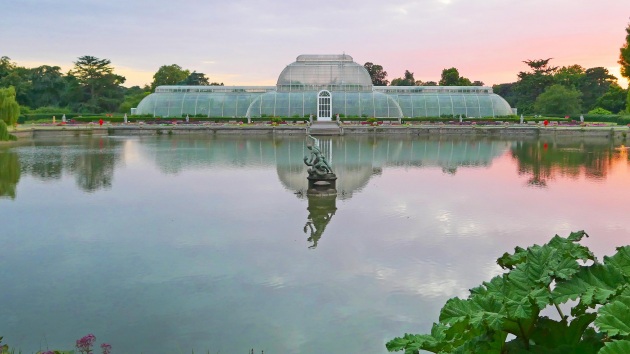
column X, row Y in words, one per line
column 440, row 101
column 324, row 72
column 346, row 104
column 353, row 95
column 208, row 104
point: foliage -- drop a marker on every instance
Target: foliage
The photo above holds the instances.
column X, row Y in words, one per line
column 9, row 108
column 9, row 172
column 99, row 83
column 569, row 76
column 407, row 80
column 624, row 55
column 169, row 75
column 133, row 96
column 536, row 278
column 532, row 83
column 377, row 74
column 599, row 110
column 196, row 79
column 450, row 77
column 595, row 83
column 558, row 99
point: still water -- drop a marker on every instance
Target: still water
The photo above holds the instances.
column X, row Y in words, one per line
column 179, row 243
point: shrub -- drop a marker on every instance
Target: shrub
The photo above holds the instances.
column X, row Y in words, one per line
column 599, row 110
column 537, row 278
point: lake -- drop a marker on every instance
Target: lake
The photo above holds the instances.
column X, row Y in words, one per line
column 171, row 244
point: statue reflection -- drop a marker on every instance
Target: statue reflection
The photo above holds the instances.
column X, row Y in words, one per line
column 320, row 211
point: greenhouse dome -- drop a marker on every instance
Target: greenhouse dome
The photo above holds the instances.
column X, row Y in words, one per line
column 324, row 86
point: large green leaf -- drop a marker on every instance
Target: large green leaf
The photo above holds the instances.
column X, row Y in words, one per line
column 614, row 318
column 553, row 334
column 621, row 260
column 480, row 311
column 593, row 285
column 616, row 347
column 411, row 343
column 508, row 261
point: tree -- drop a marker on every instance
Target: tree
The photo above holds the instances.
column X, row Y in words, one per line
column 377, row 74
column 133, row 96
column 196, row 79
column 624, row 61
column 595, row 83
column 569, row 76
column 20, row 78
column 450, row 77
column 614, row 99
column 6, row 66
column 624, row 55
column 169, row 75
column 9, row 108
column 99, row 82
column 558, row 99
column 47, row 86
column 408, row 80
column 532, row 83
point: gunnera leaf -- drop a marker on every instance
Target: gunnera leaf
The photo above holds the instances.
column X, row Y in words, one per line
column 616, row 347
column 593, row 285
column 621, row 260
column 614, row 318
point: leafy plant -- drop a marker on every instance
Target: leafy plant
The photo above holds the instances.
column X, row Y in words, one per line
column 599, row 110
column 536, row 278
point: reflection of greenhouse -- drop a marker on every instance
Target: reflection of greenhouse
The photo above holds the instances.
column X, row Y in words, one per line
column 354, row 160
column 323, row 86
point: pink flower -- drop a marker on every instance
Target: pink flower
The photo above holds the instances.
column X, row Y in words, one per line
column 106, row 348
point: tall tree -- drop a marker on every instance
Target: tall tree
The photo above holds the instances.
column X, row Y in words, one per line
column 594, row 84
column 196, row 79
column 97, row 78
column 569, row 76
column 9, row 108
column 532, row 83
column 6, row 66
column 169, row 75
column 558, row 99
column 407, row 80
column 624, row 61
column 20, row 78
column 624, row 55
column 47, row 86
column 451, row 77
column 377, row 74
column 614, row 99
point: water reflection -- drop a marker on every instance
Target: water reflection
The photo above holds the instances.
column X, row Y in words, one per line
column 320, row 211
column 545, row 160
column 9, row 174
column 91, row 161
column 356, row 160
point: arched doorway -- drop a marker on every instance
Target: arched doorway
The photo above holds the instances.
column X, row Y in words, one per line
column 324, row 106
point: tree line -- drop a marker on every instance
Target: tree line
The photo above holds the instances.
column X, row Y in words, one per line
column 91, row 86
column 543, row 88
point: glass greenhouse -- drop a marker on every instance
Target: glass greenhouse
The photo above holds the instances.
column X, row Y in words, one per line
column 324, row 86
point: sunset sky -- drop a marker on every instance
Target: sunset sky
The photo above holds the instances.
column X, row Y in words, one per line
column 243, row 42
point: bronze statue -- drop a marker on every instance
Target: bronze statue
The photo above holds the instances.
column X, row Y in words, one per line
column 318, row 166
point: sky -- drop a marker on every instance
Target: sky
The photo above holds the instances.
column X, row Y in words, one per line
column 247, row 42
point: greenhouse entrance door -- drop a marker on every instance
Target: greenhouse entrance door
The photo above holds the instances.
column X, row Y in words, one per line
column 324, row 106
